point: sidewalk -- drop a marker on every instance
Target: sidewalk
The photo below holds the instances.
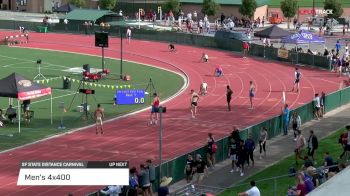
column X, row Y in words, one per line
column 277, row 149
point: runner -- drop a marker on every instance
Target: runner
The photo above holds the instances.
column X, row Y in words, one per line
column 172, row 47
column 203, row 89
column 229, row 93
column 297, row 75
column 232, row 153
column 194, row 103
column 205, row 57
column 251, row 94
column 128, row 34
column 99, row 116
column 211, row 151
column 155, row 109
column 241, row 157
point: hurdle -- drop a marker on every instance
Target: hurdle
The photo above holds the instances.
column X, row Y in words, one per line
column 16, row 39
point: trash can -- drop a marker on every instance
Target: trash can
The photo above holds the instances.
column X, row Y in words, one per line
column 67, row 84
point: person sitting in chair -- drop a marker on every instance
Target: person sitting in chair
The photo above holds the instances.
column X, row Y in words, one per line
column 11, row 113
column 218, row 71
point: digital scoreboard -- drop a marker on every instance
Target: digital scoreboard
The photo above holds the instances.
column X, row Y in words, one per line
column 129, row 97
column 68, row 173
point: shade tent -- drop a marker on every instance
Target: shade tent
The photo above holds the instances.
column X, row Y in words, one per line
column 16, row 86
column 303, row 37
column 273, row 32
column 65, row 8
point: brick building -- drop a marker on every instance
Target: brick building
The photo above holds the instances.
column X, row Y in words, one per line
column 38, row 6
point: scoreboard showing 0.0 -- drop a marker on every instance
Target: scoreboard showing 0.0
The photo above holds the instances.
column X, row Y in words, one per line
column 129, row 97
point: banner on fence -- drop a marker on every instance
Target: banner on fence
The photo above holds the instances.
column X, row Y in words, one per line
column 283, row 53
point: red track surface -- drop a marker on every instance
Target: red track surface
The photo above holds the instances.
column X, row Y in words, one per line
column 130, row 139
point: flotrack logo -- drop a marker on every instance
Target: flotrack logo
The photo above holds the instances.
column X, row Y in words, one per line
column 316, row 12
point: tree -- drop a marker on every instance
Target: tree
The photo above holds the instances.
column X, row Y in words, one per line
column 173, row 5
column 248, row 8
column 107, row 4
column 210, row 7
column 78, row 3
column 289, row 9
column 335, row 6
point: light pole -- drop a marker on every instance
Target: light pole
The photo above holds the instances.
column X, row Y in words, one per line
column 121, row 54
column 161, row 111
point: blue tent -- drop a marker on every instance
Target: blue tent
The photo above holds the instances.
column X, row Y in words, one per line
column 303, row 37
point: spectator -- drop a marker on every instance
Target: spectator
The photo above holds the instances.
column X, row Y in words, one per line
column 307, row 162
column 249, row 146
column 163, row 189
column 301, row 187
column 296, row 124
column 211, row 150
column 112, row 190
column 232, row 152
column 152, row 172
column 262, row 141
column 322, row 103
column 200, row 169
column 328, row 160
column 343, row 140
column 65, row 22
column 317, row 106
column 222, row 17
column 189, row 168
column 312, row 144
column 235, row 133
column 300, row 144
column 145, row 183
column 133, row 182
column 337, row 46
column 241, row 153
column 347, row 146
column 253, row 191
column 11, row 113
column 308, row 182
column 285, row 117
column 245, row 49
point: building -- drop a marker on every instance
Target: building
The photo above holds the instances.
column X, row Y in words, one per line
column 38, row 6
column 305, row 9
column 228, row 7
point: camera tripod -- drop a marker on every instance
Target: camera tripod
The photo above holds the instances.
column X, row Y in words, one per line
column 84, row 102
column 151, row 88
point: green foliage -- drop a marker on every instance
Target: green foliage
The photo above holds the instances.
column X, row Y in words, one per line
column 78, row 3
column 173, row 5
column 334, row 5
column 210, row 7
column 248, row 8
column 107, row 4
column 289, row 9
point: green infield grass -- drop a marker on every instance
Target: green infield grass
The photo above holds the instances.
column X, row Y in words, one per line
column 265, row 179
column 55, row 66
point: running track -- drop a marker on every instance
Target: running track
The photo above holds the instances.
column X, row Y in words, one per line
column 130, row 139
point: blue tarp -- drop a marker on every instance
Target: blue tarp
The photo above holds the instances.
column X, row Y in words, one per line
column 303, row 37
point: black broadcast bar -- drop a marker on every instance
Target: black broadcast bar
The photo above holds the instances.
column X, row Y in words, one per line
column 74, row 164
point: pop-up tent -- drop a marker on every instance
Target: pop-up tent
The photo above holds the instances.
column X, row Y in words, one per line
column 16, row 86
column 303, row 37
column 273, row 32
